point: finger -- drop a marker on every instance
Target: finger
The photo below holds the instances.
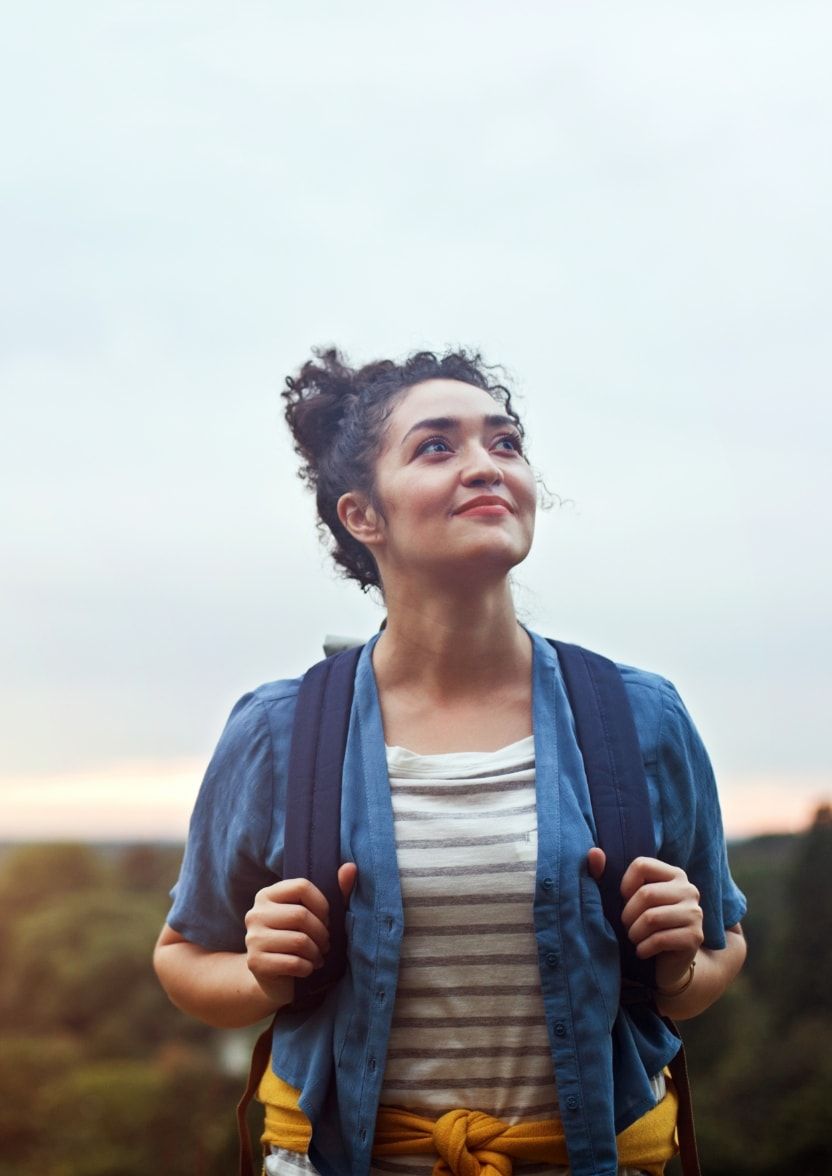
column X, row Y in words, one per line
column 678, row 941
column 264, row 946
column 298, row 891
column 645, row 869
column 657, row 894
column 268, row 967
column 596, row 861
column 656, row 920
column 347, row 875
column 269, row 916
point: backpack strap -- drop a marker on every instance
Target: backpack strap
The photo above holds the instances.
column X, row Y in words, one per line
column 620, row 801
column 617, row 785
column 312, row 843
column 312, row 840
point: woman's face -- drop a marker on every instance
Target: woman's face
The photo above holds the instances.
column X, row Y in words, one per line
column 454, row 493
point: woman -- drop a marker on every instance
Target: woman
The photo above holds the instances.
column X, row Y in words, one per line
column 483, row 977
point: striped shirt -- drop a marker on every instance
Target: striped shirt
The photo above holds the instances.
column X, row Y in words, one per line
column 468, row 1024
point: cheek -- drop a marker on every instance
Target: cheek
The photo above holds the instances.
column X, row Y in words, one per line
column 527, row 490
column 407, row 509
column 415, row 498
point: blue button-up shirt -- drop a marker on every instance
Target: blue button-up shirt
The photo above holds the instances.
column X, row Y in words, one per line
column 602, row 1055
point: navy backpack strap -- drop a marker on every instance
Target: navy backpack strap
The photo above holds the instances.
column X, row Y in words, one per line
column 312, row 846
column 617, row 784
column 621, row 806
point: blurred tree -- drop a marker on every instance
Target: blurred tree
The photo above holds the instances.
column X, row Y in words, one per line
column 760, row 1059
column 804, row 965
column 30, row 878
column 149, row 869
column 26, row 1064
column 800, row 1115
column 33, row 874
column 758, row 867
column 128, row 1118
column 83, row 966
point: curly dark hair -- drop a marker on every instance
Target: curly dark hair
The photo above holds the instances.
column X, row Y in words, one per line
column 337, row 416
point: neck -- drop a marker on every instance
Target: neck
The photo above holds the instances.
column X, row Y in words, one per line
column 447, row 643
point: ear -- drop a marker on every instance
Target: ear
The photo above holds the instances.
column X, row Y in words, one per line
column 360, row 518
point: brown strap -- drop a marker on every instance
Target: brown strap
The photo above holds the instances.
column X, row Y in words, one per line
column 260, row 1057
column 688, row 1153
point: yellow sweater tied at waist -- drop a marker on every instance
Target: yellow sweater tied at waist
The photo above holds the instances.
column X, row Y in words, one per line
column 471, row 1143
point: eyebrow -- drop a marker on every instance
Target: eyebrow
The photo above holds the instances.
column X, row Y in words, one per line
column 450, row 424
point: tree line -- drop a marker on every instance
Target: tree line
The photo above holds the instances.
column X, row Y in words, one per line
column 101, row 1076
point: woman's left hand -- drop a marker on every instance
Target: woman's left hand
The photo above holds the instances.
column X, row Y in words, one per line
column 661, row 913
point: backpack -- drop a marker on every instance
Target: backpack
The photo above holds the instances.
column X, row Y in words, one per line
column 620, row 804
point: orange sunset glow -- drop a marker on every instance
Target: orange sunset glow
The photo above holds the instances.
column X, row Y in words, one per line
column 152, row 800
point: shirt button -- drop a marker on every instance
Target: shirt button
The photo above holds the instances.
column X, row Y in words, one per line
column 371, row 1065
column 363, row 1134
column 560, row 1029
column 548, row 883
column 380, row 995
column 572, row 1103
column 552, row 959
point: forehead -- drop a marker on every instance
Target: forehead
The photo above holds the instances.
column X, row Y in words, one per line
column 439, row 398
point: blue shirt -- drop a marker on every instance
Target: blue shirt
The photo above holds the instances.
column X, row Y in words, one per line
column 603, row 1055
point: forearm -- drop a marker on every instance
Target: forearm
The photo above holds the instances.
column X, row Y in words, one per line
column 214, row 986
column 713, row 973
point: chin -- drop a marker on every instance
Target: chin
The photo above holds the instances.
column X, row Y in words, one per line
column 474, row 565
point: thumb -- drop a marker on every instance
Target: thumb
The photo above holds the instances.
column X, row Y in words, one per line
column 596, row 861
column 346, row 879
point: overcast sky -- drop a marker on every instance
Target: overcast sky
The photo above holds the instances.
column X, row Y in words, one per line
column 625, row 204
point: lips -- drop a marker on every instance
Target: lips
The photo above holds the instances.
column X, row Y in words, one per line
column 485, row 504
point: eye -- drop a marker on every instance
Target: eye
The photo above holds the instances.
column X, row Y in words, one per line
column 509, row 442
column 434, row 445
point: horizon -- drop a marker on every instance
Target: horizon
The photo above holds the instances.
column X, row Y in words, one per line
column 151, row 801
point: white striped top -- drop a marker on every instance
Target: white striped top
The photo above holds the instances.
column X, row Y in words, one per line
column 469, row 1024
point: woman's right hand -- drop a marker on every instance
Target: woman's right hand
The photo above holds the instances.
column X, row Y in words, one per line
column 287, row 934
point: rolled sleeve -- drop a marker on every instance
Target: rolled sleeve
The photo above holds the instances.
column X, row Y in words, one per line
column 693, row 836
column 226, row 858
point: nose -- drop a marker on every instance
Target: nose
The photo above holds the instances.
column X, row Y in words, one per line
column 480, row 468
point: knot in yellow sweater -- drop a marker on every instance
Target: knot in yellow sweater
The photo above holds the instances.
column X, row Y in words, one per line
column 468, row 1143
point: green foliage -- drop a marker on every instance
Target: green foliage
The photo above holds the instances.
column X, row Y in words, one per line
column 33, row 874
column 27, row 1064
column 77, row 956
column 101, row 1076
column 805, row 944
column 759, row 867
column 147, row 869
column 100, row 1106
column 760, row 1061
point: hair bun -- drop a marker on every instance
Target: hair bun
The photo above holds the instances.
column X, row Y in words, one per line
column 317, row 401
